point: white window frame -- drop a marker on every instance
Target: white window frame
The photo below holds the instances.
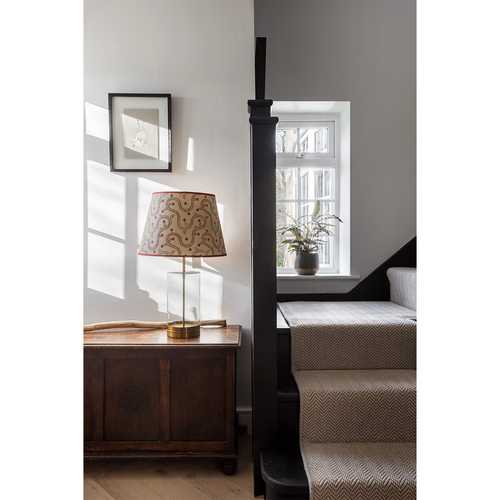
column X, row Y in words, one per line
column 301, row 159
column 329, row 160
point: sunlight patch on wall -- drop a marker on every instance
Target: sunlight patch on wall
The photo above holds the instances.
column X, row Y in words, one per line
column 152, row 277
column 96, row 121
column 220, row 209
column 190, row 155
column 106, row 200
column 211, row 295
column 106, row 265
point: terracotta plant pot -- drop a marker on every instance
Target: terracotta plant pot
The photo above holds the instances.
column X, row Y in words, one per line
column 306, row 264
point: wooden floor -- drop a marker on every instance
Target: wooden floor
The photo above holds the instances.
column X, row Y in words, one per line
column 161, row 480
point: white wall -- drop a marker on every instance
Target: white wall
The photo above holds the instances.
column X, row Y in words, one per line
column 362, row 51
column 202, row 53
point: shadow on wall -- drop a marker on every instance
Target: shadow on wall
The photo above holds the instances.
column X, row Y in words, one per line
column 119, row 283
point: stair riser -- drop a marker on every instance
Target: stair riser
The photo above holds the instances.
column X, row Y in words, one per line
column 386, row 416
column 288, row 423
column 355, row 347
column 361, row 471
column 275, row 494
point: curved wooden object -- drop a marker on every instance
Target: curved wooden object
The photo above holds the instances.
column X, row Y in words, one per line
column 144, row 325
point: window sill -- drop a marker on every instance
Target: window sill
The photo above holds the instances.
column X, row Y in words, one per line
column 320, row 276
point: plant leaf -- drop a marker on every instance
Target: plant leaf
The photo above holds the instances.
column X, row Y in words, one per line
column 315, row 212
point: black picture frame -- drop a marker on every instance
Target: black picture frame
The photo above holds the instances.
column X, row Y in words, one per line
column 168, row 97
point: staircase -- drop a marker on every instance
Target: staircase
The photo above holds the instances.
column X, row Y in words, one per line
column 354, row 365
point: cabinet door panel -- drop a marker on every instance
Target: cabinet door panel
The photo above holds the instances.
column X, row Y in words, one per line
column 198, row 404
column 132, row 399
column 93, row 398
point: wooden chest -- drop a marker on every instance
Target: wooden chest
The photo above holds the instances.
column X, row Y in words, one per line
column 146, row 395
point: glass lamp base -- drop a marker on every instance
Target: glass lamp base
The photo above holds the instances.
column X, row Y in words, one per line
column 188, row 330
column 183, row 296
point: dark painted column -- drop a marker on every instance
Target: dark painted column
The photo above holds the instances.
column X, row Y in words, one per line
column 264, row 338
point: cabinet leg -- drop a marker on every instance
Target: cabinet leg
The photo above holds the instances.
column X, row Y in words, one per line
column 229, row 466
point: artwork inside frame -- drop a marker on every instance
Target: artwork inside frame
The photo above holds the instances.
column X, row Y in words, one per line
column 140, row 132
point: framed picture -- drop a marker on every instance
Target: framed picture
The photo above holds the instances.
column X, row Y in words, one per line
column 140, row 132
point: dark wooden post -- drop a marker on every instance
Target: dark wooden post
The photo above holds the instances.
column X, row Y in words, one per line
column 260, row 68
column 264, row 345
column 264, row 338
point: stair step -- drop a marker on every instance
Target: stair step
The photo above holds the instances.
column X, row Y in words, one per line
column 351, row 335
column 355, row 470
column 284, row 475
column 357, row 405
column 365, row 471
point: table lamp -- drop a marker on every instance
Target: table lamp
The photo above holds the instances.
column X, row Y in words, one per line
column 183, row 224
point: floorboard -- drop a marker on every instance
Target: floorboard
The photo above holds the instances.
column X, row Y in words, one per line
column 168, row 480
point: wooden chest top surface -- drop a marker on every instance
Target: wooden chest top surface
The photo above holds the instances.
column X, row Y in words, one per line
column 229, row 336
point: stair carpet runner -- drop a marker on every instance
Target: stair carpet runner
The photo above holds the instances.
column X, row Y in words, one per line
column 354, row 364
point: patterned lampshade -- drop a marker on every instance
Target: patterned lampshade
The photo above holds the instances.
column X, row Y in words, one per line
column 182, row 224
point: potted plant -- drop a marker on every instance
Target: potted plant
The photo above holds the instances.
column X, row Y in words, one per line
column 304, row 236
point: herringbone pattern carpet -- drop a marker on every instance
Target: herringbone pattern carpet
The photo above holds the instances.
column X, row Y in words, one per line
column 354, row 363
column 357, row 405
column 351, row 335
column 361, row 471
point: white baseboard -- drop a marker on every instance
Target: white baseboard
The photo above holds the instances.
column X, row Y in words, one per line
column 245, row 417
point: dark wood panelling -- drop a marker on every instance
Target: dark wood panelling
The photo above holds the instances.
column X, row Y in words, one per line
column 161, row 399
column 164, row 400
column 231, row 418
column 198, row 389
column 131, row 412
column 93, row 399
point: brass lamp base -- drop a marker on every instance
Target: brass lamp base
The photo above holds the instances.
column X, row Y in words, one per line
column 186, row 330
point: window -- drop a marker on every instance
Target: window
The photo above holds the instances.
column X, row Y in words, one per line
column 306, row 173
column 322, row 184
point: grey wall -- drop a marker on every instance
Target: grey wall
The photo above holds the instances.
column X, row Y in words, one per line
column 362, row 51
column 202, row 53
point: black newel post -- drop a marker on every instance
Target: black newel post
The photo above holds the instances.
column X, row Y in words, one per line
column 263, row 165
column 263, row 168
column 264, row 339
